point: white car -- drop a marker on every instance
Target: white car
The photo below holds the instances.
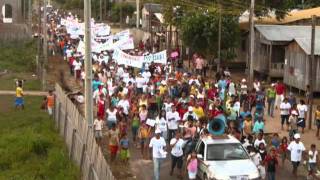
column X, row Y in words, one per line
column 224, row 158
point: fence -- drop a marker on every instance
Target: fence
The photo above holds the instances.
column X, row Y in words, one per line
column 79, row 138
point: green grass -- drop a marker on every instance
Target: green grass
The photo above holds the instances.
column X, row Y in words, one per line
column 7, row 82
column 18, row 56
column 30, row 147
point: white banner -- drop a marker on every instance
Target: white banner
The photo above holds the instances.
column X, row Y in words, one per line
column 127, row 59
column 138, row 61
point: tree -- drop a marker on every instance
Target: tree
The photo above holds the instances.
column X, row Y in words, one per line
column 200, row 33
column 127, row 9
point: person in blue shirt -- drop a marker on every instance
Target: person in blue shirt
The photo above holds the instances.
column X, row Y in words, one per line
column 258, row 126
column 95, row 83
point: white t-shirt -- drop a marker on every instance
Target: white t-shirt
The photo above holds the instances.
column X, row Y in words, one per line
column 256, row 86
column 125, row 105
column 256, row 158
column 177, row 148
column 146, row 75
column 313, row 155
column 284, row 108
column 173, row 118
column 112, row 116
column 140, row 82
column 296, row 151
column 157, row 146
column 257, row 142
column 76, row 65
column 98, row 124
column 302, row 108
column 167, row 106
column 161, row 124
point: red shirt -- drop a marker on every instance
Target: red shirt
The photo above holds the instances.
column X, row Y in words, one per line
column 280, row 89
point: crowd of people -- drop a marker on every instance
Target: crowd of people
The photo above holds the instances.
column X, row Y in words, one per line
column 164, row 108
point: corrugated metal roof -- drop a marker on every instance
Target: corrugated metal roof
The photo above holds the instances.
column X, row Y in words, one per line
column 153, row 8
column 301, row 34
column 305, row 44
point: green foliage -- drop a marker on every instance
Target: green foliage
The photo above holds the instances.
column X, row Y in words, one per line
column 127, row 10
column 18, row 56
column 29, row 145
column 200, row 33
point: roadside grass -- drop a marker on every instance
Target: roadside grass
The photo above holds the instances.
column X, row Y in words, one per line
column 18, row 58
column 30, row 147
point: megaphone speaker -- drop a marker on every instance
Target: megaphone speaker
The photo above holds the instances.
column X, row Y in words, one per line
column 217, row 125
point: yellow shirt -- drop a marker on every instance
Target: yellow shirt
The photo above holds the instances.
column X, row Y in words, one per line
column 19, row 92
column 317, row 114
column 199, row 111
column 162, row 89
column 193, row 90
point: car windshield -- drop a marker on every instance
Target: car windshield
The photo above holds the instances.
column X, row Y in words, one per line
column 223, row 152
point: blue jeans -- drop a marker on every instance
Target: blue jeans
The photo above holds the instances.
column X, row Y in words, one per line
column 271, row 106
column 271, row 176
column 156, row 168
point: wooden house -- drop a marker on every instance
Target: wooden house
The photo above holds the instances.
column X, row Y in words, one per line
column 297, row 59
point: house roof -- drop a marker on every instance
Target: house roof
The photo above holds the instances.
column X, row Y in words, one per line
column 293, row 16
column 300, row 34
column 153, row 8
column 305, row 44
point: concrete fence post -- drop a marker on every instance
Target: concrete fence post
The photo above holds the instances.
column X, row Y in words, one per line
column 65, row 126
column 59, row 117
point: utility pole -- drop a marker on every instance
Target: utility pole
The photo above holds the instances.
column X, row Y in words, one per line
column 121, row 11
column 219, row 38
column 88, row 64
column 39, row 52
column 312, row 69
column 101, row 5
column 30, row 12
column 45, row 45
column 138, row 13
column 251, row 56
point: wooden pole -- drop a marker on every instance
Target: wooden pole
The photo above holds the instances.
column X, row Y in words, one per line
column 45, row 45
column 312, row 70
column 138, row 13
column 251, row 72
column 88, row 64
column 219, row 40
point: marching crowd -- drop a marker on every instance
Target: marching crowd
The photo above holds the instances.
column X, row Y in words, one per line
column 164, row 108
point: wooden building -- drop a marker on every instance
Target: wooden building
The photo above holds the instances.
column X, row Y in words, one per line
column 297, row 59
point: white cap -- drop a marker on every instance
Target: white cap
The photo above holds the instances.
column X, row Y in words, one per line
column 190, row 108
column 243, row 80
column 163, row 82
column 297, row 136
column 191, row 96
column 158, row 131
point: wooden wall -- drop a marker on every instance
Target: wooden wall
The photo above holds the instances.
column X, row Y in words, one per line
column 296, row 68
column 261, row 55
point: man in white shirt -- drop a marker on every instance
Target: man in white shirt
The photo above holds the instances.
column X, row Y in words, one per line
column 190, row 113
column 173, row 119
column 124, row 103
column 303, row 109
column 256, row 85
column 176, row 145
column 296, row 149
column 158, row 145
column 97, row 126
column 140, row 81
column 285, row 112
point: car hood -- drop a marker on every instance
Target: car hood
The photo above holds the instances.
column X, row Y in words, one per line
column 232, row 167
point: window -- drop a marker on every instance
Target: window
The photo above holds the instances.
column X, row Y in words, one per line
column 6, row 13
column 200, row 150
column 224, row 152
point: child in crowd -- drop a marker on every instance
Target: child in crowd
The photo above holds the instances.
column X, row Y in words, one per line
column 113, row 141
column 124, row 148
column 97, row 126
column 312, row 161
column 135, row 127
column 283, row 149
column 144, row 133
column 192, row 165
column 317, row 116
